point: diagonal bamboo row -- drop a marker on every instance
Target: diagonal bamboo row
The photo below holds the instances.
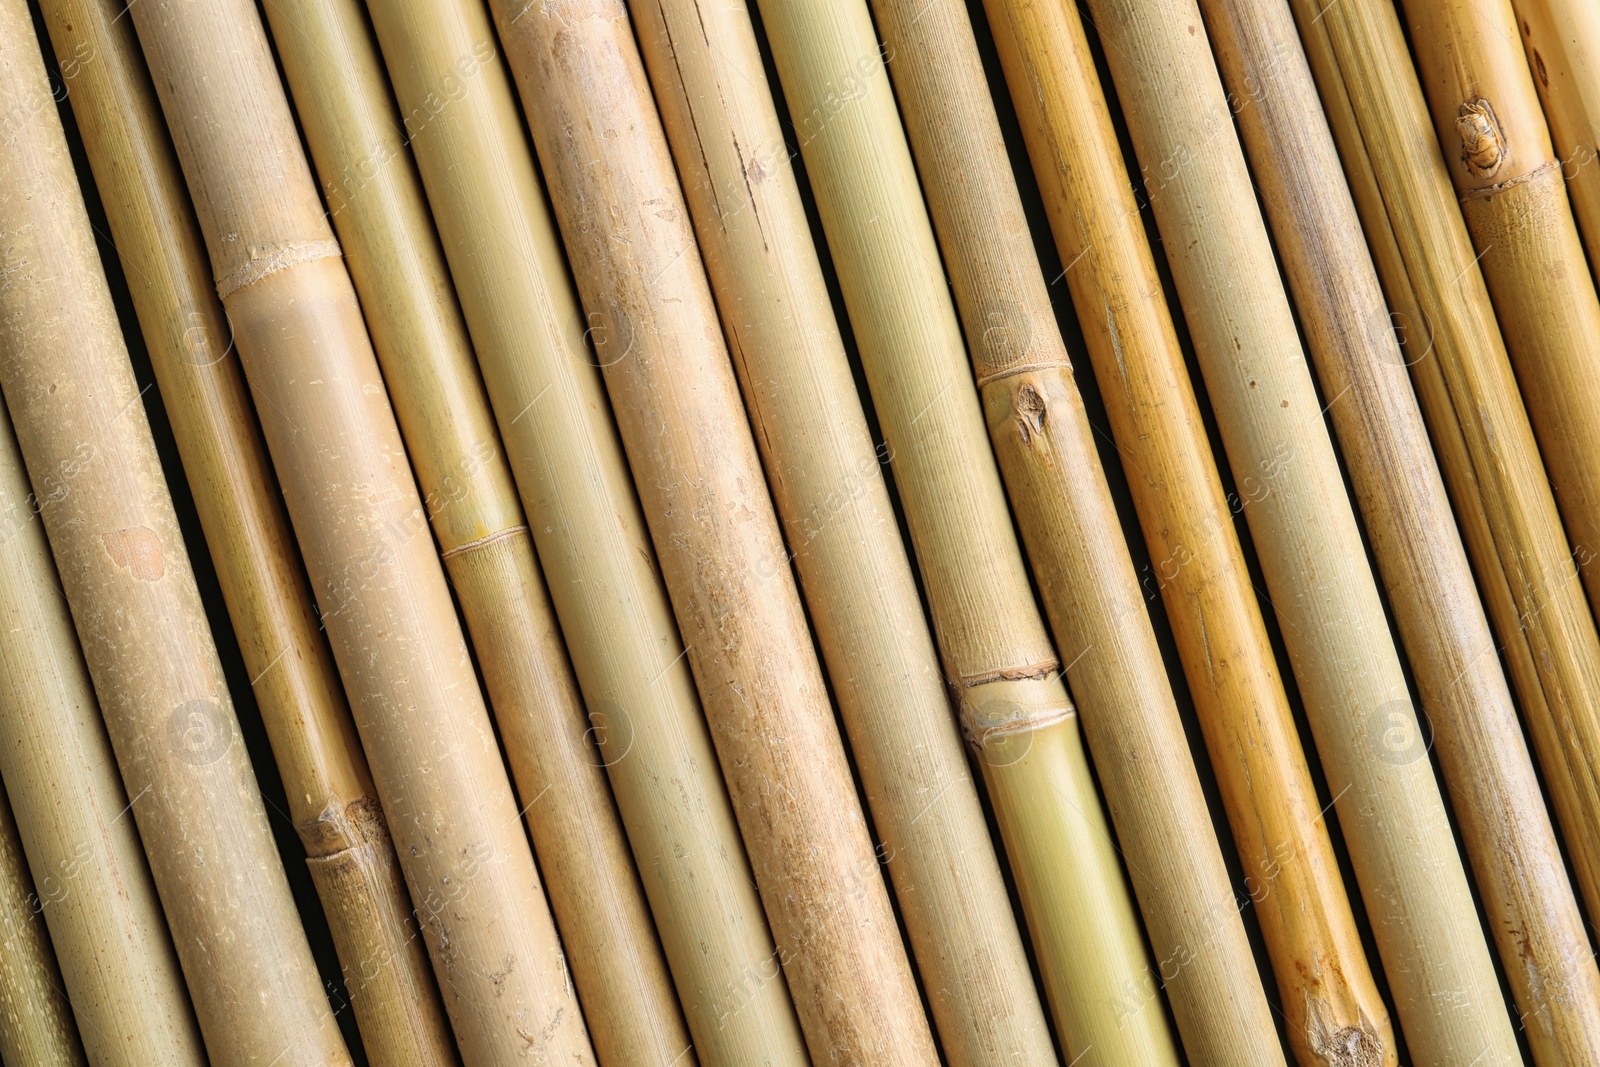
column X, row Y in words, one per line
column 354, row 503
column 478, row 169
column 1332, row 1007
column 122, row 563
column 1507, row 831
column 331, row 798
column 1349, row 673
column 622, row 213
column 398, row 268
column 1489, row 458
column 829, row 490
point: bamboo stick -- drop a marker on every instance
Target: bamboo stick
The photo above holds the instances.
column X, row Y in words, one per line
column 1507, row 831
column 399, row 272
column 332, row 801
column 1391, row 812
column 1513, row 195
column 617, row 199
column 122, row 563
column 1490, row 461
column 1333, row 1011
column 381, row 586
column 510, row 273
column 829, row 490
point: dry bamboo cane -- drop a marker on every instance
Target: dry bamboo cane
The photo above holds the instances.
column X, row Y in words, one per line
column 1349, row 673
column 633, row 252
column 1490, row 460
column 1508, row 834
column 829, row 489
column 332, row 801
column 478, row 169
column 1334, row 1013
column 122, row 561
column 398, row 268
column 351, row 495
column 1513, row 195
column 117, row 961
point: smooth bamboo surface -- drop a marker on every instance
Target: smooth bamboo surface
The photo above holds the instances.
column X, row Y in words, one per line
column 94, row 890
column 351, row 495
column 332, row 801
column 1490, row 462
column 511, row 276
column 1507, row 831
column 1331, row 1005
column 429, row 369
column 827, row 483
column 1391, row 812
column 125, row 570
column 617, row 199
column 1513, row 195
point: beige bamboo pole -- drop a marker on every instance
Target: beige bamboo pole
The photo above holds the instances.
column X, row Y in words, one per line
column 116, row 956
column 398, row 268
column 1507, row 831
column 1043, row 439
column 829, row 490
column 1490, row 460
column 477, row 167
column 1349, row 673
column 1513, row 195
column 351, row 495
column 617, row 199
column 122, row 562
column 332, row 801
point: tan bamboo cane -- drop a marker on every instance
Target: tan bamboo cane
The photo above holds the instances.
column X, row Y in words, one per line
column 828, row 486
column 1507, row 831
column 1333, row 1010
column 351, row 495
column 1393, row 817
column 95, row 893
column 622, row 213
column 36, row 1025
column 1513, row 195
column 478, row 169
column 122, row 562
column 338, row 82
column 1490, row 460
column 331, row 798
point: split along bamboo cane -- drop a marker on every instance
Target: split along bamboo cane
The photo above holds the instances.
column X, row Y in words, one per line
column 1312, row 556
column 1490, row 460
column 1507, row 831
column 331, row 798
column 828, row 486
column 1334, row 1014
column 511, row 277
column 352, row 498
column 94, row 890
column 617, row 199
column 1513, row 196
column 123, row 565
column 609, row 941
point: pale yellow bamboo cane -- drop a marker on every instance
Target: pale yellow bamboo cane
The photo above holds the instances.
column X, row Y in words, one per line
column 342, row 92
column 354, row 503
column 841, row 529
column 1349, row 673
column 1507, row 831
column 478, row 169
column 82, row 430
column 331, row 798
column 633, row 252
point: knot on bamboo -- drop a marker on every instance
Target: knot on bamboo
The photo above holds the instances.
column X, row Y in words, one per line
column 275, row 260
column 1483, row 143
column 1007, row 704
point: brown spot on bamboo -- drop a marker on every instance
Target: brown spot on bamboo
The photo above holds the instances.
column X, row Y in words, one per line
column 1483, row 143
column 137, row 549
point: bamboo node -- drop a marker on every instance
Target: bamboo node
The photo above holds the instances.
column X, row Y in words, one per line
column 1492, row 190
column 278, row 259
column 1483, row 143
column 1010, row 703
column 482, row 541
column 1025, row 368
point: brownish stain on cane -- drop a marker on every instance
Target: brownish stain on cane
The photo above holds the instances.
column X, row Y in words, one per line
column 1483, row 143
column 138, row 549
